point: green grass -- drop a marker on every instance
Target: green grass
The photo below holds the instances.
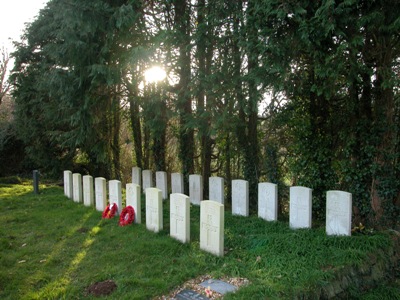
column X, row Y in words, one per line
column 53, row 248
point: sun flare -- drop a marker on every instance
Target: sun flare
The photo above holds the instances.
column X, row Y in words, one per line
column 154, row 74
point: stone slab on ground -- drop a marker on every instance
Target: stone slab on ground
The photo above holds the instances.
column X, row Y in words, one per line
column 189, row 295
column 219, row 286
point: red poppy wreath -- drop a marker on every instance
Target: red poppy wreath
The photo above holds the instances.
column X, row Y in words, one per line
column 127, row 216
column 110, row 211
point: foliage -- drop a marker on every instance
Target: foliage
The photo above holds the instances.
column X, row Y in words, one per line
column 331, row 68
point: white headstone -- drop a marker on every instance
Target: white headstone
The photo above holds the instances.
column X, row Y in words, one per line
column 88, row 194
column 240, row 197
column 68, row 189
column 216, row 189
column 154, row 210
column 212, row 227
column 100, row 187
column 137, row 176
column 162, row 183
column 147, row 176
column 77, row 187
column 133, row 199
column 338, row 213
column 177, row 183
column 115, row 194
column 180, row 217
column 195, row 189
column 268, row 201
column 300, row 210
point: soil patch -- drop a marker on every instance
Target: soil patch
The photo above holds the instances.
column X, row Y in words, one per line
column 102, row 288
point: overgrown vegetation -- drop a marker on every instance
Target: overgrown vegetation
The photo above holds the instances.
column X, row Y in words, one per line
column 299, row 92
column 52, row 248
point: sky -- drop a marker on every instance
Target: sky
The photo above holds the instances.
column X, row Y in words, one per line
column 14, row 15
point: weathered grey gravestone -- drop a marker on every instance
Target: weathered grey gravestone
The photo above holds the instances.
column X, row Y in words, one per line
column 180, row 217
column 240, row 197
column 137, row 176
column 216, row 187
column 300, row 207
column 36, row 181
column 268, row 201
column 177, row 183
column 162, row 183
column 195, row 189
column 338, row 213
column 147, row 176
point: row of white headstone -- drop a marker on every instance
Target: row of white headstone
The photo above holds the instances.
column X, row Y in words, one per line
column 338, row 218
column 338, row 203
column 80, row 189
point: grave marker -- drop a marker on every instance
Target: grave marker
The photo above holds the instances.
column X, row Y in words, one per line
column 300, row 207
column 268, row 201
column 101, row 193
column 212, row 227
column 68, row 190
column 180, row 217
column 88, row 195
column 137, row 176
column 216, row 189
column 195, row 189
column 133, row 199
column 115, row 194
column 162, row 183
column 177, row 183
column 35, row 181
column 240, row 197
column 147, row 176
column 154, row 210
column 77, row 187
column 338, row 213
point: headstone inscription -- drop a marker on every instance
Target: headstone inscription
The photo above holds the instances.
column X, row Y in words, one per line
column 338, row 213
column 177, row 183
column 240, row 197
column 180, row 217
column 77, row 187
column 154, row 210
column 115, row 194
column 137, row 176
column 216, row 189
column 133, row 199
column 68, row 189
column 100, row 187
column 162, row 183
column 300, row 208
column 195, row 189
column 147, row 176
column 212, row 227
column 88, row 195
column 268, row 201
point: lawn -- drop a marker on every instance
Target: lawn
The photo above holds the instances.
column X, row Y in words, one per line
column 53, row 248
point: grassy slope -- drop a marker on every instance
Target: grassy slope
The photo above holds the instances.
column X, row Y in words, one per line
column 53, row 248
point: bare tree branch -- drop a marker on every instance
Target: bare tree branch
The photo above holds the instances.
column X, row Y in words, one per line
column 4, row 84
